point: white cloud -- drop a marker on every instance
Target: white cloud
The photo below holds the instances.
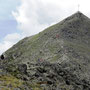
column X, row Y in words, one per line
column 4, row 46
column 35, row 15
column 8, row 41
column 12, row 37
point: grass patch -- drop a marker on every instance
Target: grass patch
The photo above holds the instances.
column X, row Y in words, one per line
column 10, row 81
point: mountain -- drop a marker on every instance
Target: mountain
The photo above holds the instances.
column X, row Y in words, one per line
column 57, row 58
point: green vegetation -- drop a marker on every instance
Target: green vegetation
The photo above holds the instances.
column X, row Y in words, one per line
column 13, row 70
column 9, row 82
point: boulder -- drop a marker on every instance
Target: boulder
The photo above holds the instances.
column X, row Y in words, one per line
column 22, row 68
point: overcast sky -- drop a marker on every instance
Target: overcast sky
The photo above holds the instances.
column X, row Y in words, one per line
column 21, row 18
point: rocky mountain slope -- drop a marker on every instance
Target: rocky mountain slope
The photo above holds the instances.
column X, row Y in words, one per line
column 56, row 59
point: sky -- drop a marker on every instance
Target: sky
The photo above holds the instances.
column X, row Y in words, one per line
column 21, row 18
column 6, row 18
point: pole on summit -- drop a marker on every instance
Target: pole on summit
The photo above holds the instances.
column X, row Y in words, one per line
column 78, row 7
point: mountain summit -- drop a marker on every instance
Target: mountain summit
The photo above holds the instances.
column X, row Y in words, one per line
column 65, row 50
column 79, row 15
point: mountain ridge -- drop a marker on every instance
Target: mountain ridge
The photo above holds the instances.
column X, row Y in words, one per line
column 65, row 44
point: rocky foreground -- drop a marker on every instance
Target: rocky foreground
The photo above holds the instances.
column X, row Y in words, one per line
column 44, row 76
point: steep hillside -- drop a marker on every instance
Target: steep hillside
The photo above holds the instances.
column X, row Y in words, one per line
column 69, row 38
column 66, row 43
